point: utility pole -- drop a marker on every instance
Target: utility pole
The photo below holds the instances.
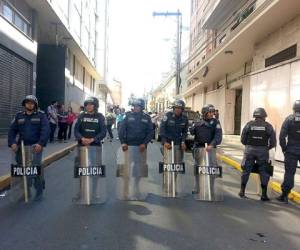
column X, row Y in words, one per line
column 178, row 15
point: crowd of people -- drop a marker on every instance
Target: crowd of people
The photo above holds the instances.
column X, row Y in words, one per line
column 61, row 118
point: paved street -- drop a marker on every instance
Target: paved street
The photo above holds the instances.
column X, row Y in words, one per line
column 157, row 223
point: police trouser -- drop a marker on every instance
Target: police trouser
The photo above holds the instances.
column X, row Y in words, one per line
column 37, row 181
column 248, row 164
column 290, row 165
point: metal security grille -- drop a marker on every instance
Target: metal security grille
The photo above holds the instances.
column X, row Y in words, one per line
column 15, row 83
column 283, row 55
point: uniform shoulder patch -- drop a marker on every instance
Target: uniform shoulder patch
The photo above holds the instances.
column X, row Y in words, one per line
column 218, row 126
column 165, row 118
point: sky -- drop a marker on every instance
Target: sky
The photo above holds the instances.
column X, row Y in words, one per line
column 141, row 46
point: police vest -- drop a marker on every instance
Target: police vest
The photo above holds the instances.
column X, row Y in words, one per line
column 257, row 134
column 294, row 130
column 205, row 131
column 90, row 125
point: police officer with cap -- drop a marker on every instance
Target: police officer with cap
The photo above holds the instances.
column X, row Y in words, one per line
column 32, row 126
column 259, row 137
column 208, row 130
column 90, row 127
column 136, row 129
column 174, row 126
column 290, row 130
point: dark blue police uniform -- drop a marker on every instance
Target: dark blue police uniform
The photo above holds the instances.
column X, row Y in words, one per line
column 136, row 129
column 259, row 137
column 174, row 128
column 290, row 130
column 207, row 131
column 90, row 126
column 32, row 129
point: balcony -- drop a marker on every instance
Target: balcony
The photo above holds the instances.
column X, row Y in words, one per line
column 218, row 11
column 234, row 45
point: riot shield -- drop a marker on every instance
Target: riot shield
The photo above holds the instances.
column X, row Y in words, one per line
column 132, row 171
column 26, row 174
column 173, row 170
column 208, row 175
column 89, row 176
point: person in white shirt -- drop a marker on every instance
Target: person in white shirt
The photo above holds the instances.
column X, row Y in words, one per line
column 53, row 119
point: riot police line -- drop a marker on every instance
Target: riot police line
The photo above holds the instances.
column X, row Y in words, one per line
column 135, row 133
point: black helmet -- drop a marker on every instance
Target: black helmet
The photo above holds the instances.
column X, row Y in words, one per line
column 138, row 102
column 296, row 106
column 207, row 108
column 92, row 100
column 179, row 104
column 31, row 98
column 260, row 113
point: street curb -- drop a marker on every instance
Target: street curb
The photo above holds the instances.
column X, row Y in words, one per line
column 275, row 186
column 5, row 179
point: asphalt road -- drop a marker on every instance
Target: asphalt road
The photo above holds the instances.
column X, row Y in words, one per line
column 158, row 223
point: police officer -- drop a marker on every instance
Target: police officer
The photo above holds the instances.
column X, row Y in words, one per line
column 174, row 126
column 32, row 126
column 90, row 126
column 259, row 137
column 208, row 133
column 136, row 129
column 290, row 130
column 208, row 130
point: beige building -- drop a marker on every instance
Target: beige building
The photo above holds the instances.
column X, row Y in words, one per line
column 115, row 92
column 163, row 95
column 244, row 54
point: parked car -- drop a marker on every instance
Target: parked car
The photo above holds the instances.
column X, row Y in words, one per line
column 192, row 117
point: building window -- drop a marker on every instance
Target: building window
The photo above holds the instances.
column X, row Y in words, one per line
column 7, row 12
column 283, row 55
column 12, row 15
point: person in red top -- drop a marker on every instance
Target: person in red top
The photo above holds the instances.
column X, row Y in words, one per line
column 70, row 120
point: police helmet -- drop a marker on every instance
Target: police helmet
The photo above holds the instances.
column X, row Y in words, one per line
column 260, row 113
column 296, row 106
column 92, row 100
column 207, row 108
column 211, row 107
column 30, row 98
column 179, row 104
column 138, row 102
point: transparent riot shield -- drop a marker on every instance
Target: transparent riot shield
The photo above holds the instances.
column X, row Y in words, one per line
column 27, row 181
column 132, row 171
column 208, row 175
column 89, row 176
column 173, row 170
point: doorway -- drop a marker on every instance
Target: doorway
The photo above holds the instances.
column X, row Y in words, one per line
column 238, row 111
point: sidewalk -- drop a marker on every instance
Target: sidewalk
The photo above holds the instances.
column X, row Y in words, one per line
column 233, row 149
column 5, row 153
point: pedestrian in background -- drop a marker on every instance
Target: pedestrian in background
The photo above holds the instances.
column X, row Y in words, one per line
column 109, row 121
column 53, row 119
column 81, row 109
column 62, row 123
column 70, row 120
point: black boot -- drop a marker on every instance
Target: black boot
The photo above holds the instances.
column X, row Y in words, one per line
column 283, row 197
column 264, row 196
column 242, row 191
